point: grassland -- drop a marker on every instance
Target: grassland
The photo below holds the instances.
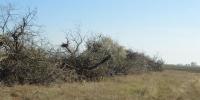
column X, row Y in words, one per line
column 167, row 85
column 182, row 68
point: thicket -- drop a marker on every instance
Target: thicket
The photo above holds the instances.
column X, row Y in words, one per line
column 24, row 60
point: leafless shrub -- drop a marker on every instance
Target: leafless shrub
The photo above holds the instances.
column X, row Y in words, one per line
column 22, row 60
column 85, row 62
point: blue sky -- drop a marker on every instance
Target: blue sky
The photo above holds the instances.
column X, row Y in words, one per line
column 167, row 28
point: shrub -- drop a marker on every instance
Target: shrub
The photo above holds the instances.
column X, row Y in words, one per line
column 22, row 60
column 86, row 63
column 139, row 62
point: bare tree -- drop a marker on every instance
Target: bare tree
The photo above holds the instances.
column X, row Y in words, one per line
column 82, row 61
column 15, row 31
column 22, row 61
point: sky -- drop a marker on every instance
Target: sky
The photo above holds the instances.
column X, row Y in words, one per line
column 169, row 29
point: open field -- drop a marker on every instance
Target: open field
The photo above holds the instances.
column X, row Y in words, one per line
column 182, row 68
column 167, row 85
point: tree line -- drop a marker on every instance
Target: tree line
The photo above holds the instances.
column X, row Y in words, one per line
column 24, row 59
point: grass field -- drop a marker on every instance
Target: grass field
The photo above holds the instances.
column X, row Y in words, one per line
column 166, row 85
column 182, row 68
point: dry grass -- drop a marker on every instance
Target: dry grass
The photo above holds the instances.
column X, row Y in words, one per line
column 167, row 85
